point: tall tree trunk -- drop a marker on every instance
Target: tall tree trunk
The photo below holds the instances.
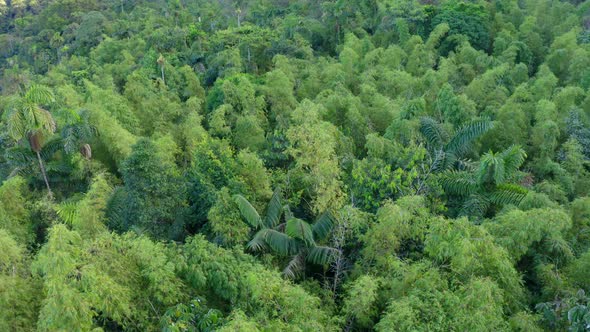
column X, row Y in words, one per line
column 44, row 174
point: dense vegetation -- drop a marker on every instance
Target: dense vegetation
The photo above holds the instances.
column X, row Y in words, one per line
column 388, row 165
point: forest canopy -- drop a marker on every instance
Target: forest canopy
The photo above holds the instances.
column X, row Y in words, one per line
column 259, row 165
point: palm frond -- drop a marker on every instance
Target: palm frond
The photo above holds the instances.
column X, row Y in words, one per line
column 58, row 167
column 475, row 205
column 461, row 141
column 274, row 209
column 39, row 94
column 299, row 229
column 294, row 267
column 280, row 243
column 507, row 194
column 458, row 183
column 258, row 242
column 287, row 212
column 323, row 225
column 67, row 211
column 464, row 165
column 70, row 142
column 15, row 123
column 116, row 211
column 491, row 168
column 50, row 148
column 248, row 211
column 513, row 157
column 321, row 255
column 433, row 132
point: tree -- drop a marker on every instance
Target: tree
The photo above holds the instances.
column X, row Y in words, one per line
column 27, row 119
column 446, row 152
column 155, row 191
column 313, row 147
column 290, row 237
column 492, row 182
column 77, row 133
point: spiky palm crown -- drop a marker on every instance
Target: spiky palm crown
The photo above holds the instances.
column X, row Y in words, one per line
column 25, row 116
column 490, row 182
column 77, row 132
column 446, row 150
column 288, row 236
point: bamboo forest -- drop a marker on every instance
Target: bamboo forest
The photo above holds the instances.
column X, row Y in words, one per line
column 294, row 165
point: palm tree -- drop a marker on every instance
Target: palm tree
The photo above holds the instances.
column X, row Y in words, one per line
column 491, row 183
column 288, row 237
column 161, row 62
column 25, row 118
column 76, row 134
column 447, row 151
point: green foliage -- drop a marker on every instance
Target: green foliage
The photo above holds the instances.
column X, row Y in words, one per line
column 155, row 192
column 294, row 238
column 15, row 218
column 432, row 159
column 225, row 222
column 271, row 301
column 360, row 300
column 18, row 305
column 491, row 184
column 194, row 316
column 313, row 147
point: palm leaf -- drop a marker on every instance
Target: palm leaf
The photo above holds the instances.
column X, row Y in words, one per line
column 15, row 124
column 294, row 267
column 507, row 194
column 117, row 210
column 299, row 229
column 459, row 183
column 287, row 212
column 258, row 242
column 67, row 211
column 50, row 148
column 39, row 94
column 321, row 255
column 433, row 132
column 475, row 205
column 274, row 209
column 439, row 161
column 491, row 169
column 461, row 142
column 323, row 225
column 248, row 211
column 280, row 243
column 513, row 158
